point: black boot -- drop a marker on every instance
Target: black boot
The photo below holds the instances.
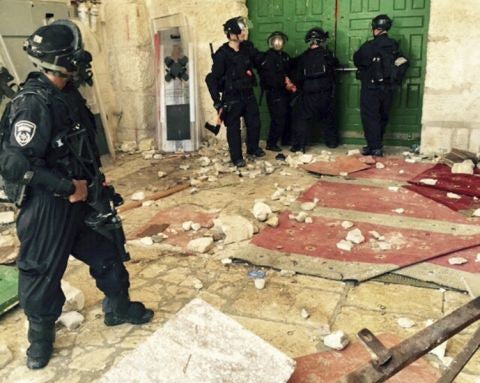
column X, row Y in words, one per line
column 41, row 337
column 122, row 310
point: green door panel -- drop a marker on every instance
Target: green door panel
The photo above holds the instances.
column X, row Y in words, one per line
column 8, row 287
column 348, row 22
column 295, row 18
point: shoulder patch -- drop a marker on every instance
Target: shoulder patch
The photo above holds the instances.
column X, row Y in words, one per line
column 24, row 131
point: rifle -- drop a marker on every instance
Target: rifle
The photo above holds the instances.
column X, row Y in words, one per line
column 5, row 88
column 101, row 197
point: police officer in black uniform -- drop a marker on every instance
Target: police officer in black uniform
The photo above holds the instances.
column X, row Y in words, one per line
column 231, row 83
column 377, row 92
column 274, row 68
column 51, row 224
column 314, row 76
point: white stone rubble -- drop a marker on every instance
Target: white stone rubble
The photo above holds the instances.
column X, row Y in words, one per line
column 353, row 152
column 138, row 196
column 71, row 319
column 259, row 283
column 161, row 174
column 457, row 261
column 235, row 227
column 187, row 225
column 337, row 340
column 200, row 245
column 74, row 297
column 345, row 245
column 379, row 165
column 428, row 181
column 393, row 188
column 273, row 221
column 399, row 210
column 355, row 236
column 261, row 211
column 308, row 206
column 453, row 196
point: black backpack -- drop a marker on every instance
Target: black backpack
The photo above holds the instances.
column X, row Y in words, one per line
column 389, row 67
column 317, row 71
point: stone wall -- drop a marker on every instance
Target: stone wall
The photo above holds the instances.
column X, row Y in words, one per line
column 451, row 105
column 124, row 31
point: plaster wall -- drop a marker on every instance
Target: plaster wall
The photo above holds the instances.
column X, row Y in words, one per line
column 451, row 104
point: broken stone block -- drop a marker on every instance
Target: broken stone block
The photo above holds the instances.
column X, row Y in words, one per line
column 273, row 221
column 196, row 226
column 337, row 340
column 146, row 144
column 71, row 320
column 393, row 188
column 157, row 156
column 453, row 196
column 347, row 224
column 202, row 345
column 259, row 283
column 227, row 261
column 138, row 196
column 235, row 227
column 161, row 174
column 429, row 181
column 187, row 225
column 74, row 297
column 309, row 220
column 457, row 261
column 399, row 210
column 465, row 167
column 379, row 165
column 344, row 245
column 405, row 322
column 200, row 245
column 355, row 236
column 146, row 241
column 261, row 211
column 7, row 217
column 128, row 146
column 476, row 213
column 353, row 152
column 304, row 314
column 5, row 356
column 308, row 206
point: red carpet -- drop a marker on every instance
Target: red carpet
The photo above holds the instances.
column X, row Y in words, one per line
column 329, row 366
column 319, row 239
column 396, row 169
column 380, row 200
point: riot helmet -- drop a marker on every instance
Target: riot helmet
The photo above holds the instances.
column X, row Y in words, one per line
column 58, row 48
column 382, row 22
column 236, row 25
column 277, row 40
column 316, row 36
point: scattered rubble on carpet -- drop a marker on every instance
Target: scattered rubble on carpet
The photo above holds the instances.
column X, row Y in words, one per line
column 428, row 181
column 355, row 236
column 261, row 211
column 453, row 196
column 457, row 261
column 400, row 210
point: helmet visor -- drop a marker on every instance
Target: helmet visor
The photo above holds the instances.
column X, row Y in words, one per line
column 244, row 24
column 276, row 42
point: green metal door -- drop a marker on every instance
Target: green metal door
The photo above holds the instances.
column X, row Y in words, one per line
column 295, row 18
column 348, row 22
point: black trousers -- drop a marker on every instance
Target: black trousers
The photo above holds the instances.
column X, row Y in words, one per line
column 278, row 103
column 50, row 229
column 375, row 104
column 245, row 106
column 310, row 109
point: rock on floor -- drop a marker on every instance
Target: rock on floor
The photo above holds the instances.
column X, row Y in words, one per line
column 201, row 344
